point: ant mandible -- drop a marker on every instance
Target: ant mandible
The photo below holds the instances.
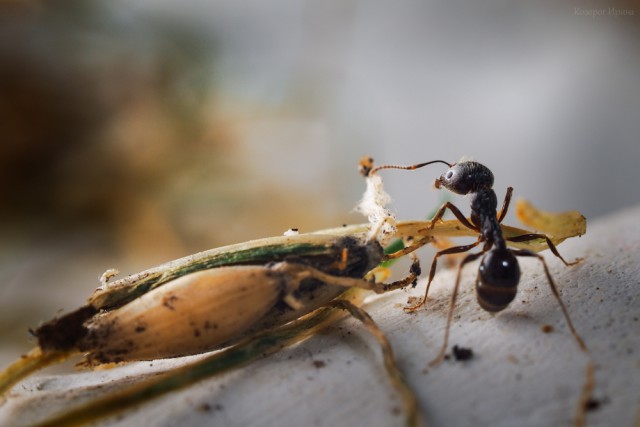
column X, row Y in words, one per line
column 499, row 273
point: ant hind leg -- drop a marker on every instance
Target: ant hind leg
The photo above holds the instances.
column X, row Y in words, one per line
column 556, row 294
column 534, row 236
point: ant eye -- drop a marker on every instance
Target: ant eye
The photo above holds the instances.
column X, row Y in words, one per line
column 449, row 174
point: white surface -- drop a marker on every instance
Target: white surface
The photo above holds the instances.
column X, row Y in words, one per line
column 519, row 376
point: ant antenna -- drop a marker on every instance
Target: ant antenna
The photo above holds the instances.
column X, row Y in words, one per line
column 412, row 167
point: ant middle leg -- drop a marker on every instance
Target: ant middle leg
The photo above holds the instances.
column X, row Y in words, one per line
column 534, row 236
column 554, row 290
column 434, row 263
column 505, row 204
column 454, row 295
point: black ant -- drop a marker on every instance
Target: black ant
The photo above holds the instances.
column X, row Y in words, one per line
column 499, row 272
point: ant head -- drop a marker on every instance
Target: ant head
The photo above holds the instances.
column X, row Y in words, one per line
column 498, row 278
column 466, row 177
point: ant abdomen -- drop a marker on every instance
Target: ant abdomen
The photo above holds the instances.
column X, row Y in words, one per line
column 498, row 278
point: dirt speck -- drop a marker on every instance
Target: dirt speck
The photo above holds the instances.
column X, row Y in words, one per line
column 461, row 353
column 319, row 364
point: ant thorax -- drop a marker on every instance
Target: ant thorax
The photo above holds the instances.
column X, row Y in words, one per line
column 484, row 205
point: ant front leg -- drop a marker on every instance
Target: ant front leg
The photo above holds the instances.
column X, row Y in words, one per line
column 298, row 272
column 454, row 210
column 454, row 295
column 409, row 249
column 434, row 263
column 554, row 290
column 534, row 236
column 505, row 204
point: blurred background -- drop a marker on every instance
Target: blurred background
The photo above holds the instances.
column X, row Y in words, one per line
column 137, row 131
